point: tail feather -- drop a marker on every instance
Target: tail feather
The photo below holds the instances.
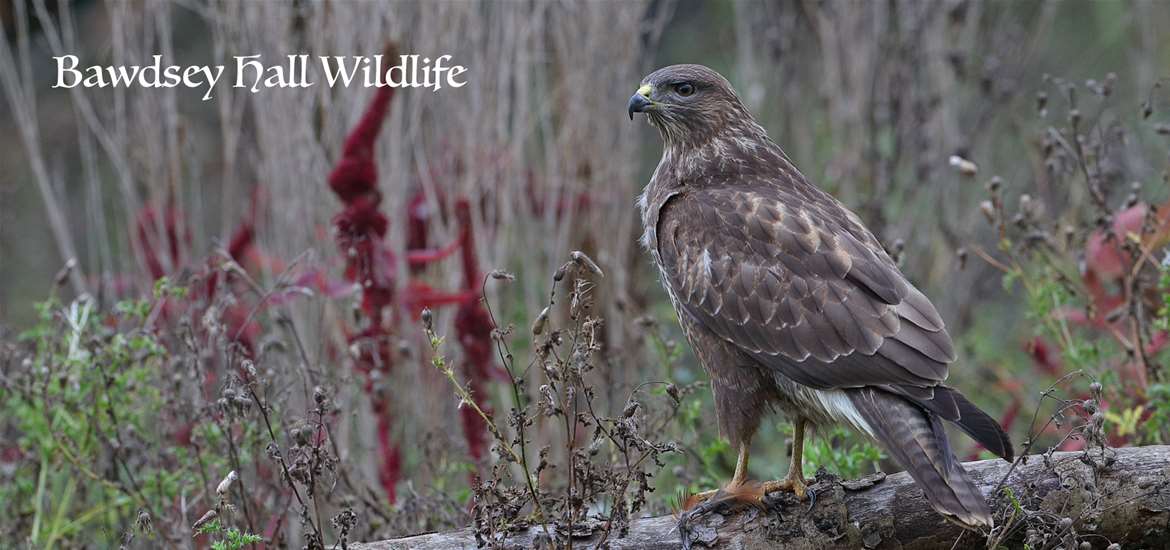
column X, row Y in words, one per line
column 916, row 439
column 951, row 405
column 982, row 428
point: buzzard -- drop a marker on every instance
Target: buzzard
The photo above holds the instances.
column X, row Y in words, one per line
column 790, row 302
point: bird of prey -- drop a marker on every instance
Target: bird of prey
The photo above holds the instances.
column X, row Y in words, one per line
column 790, row 302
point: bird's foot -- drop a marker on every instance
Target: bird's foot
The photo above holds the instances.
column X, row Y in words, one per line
column 749, row 493
column 795, row 485
column 734, row 496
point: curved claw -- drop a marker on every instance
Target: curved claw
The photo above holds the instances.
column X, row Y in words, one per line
column 683, row 530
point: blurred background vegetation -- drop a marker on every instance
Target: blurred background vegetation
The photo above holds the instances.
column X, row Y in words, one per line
column 928, row 118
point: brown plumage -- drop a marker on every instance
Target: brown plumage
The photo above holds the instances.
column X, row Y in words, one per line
column 788, row 300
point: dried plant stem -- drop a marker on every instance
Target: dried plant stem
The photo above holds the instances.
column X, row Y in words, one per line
column 263, row 408
column 22, row 104
column 506, row 359
column 466, row 399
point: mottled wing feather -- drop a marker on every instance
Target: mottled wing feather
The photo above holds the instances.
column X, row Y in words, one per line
column 801, row 286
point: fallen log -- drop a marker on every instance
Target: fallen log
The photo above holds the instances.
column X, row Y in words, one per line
column 1117, row 496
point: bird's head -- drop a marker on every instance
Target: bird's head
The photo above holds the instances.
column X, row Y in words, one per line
column 689, row 104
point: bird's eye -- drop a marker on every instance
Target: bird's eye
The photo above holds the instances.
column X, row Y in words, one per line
column 684, row 89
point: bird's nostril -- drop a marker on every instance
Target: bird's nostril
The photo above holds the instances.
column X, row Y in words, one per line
column 638, row 104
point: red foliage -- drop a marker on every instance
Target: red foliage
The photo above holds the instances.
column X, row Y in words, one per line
column 242, row 247
column 147, row 231
column 1107, row 260
column 1008, row 419
column 356, row 174
column 360, row 231
column 163, row 258
column 1043, row 358
column 474, row 328
column 1108, row 265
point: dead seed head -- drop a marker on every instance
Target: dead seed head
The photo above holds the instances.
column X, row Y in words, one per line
column 204, row 519
column 502, row 275
column 225, row 485
column 583, row 260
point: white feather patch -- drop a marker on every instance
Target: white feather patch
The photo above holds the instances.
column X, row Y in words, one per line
column 838, row 405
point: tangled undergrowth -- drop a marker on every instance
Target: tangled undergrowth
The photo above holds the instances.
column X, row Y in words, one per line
column 1083, row 241
column 605, row 466
column 154, row 423
column 118, row 433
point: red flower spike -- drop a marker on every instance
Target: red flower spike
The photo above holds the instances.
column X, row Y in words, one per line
column 474, row 327
column 359, row 230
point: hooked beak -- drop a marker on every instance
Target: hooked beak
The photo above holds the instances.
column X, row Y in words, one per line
column 640, row 101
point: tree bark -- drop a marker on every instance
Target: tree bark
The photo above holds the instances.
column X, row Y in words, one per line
column 1123, row 498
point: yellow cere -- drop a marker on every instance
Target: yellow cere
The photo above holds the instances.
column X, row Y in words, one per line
column 645, row 90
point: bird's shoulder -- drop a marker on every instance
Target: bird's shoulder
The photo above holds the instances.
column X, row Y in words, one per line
column 791, row 226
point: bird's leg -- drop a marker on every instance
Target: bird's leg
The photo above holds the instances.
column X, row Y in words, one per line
column 741, row 464
column 737, row 479
column 795, row 480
